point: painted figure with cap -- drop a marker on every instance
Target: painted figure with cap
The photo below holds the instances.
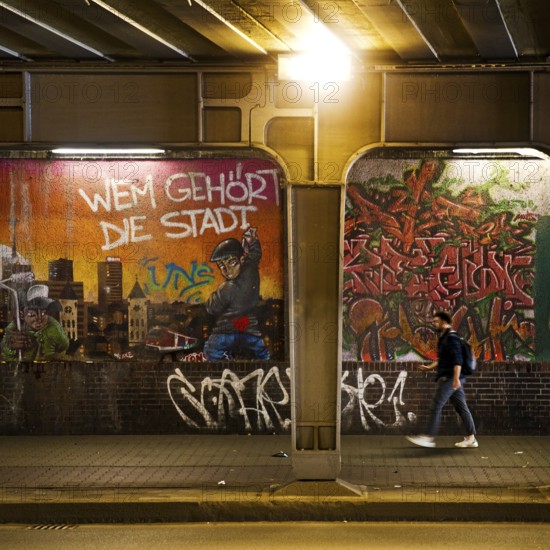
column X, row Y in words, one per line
column 234, row 302
column 41, row 337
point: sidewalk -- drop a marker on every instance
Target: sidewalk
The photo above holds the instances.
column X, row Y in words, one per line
column 78, row 479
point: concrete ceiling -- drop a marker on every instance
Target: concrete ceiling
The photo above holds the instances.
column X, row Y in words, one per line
column 232, row 32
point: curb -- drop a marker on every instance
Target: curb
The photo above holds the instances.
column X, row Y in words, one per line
column 181, row 512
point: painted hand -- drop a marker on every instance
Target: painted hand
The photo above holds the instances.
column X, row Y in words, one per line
column 250, row 235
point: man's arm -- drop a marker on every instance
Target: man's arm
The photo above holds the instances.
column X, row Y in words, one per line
column 251, row 245
column 455, row 353
column 456, row 376
column 431, row 366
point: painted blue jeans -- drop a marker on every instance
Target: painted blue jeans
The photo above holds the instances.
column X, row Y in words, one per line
column 221, row 346
column 445, row 391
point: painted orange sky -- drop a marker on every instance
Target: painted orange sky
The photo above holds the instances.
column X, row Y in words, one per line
column 156, row 216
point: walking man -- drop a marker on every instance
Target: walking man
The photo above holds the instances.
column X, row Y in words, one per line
column 449, row 381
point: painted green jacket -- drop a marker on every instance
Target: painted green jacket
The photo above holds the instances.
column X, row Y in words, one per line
column 47, row 342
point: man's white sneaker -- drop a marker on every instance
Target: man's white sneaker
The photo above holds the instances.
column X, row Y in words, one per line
column 467, row 443
column 421, row 440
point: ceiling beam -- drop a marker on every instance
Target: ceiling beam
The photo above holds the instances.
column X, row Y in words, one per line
column 228, row 23
column 506, row 28
column 21, row 10
column 14, row 53
column 397, row 29
column 419, row 30
column 441, row 25
column 488, row 29
column 134, row 23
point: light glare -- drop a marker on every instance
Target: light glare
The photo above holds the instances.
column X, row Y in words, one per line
column 322, row 57
column 315, row 67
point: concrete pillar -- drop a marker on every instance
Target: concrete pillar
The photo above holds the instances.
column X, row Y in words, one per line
column 315, row 306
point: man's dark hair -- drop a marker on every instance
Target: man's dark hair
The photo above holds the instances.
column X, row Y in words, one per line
column 444, row 316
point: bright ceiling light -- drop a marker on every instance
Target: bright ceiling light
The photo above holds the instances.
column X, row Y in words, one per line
column 315, row 67
column 91, row 151
column 322, row 57
column 320, row 39
column 522, row 151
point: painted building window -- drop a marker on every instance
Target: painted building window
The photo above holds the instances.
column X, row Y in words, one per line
column 177, row 258
column 469, row 236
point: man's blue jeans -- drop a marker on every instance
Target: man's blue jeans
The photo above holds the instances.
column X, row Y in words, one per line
column 220, row 346
column 445, row 391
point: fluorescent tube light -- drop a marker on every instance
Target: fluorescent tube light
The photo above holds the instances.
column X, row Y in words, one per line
column 522, row 151
column 113, row 151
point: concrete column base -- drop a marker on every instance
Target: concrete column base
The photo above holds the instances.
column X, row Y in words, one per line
column 316, row 465
column 320, row 490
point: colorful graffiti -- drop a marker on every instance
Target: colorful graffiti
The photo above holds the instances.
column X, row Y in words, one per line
column 121, row 255
column 431, row 234
column 186, row 282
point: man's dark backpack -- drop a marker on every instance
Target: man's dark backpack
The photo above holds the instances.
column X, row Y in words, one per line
column 468, row 357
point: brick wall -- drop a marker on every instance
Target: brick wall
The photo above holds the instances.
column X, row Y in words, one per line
column 250, row 397
column 144, row 398
column 504, row 398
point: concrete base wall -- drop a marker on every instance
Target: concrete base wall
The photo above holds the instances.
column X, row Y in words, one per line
column 253, row 397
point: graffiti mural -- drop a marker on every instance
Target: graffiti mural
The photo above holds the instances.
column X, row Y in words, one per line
column 259, row 401
column 427, row 234
column 253, row 402
column 138, row 259
column 361, row 405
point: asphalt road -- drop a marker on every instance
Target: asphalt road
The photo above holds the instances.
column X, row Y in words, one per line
column 266, row 536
